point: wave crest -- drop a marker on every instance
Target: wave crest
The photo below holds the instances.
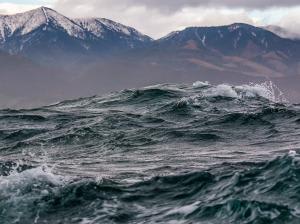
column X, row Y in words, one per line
column 267, row 90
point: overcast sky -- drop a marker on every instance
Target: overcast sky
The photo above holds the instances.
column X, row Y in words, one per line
column 159, row 17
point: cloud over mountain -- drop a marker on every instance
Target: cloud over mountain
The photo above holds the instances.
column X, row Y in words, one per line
column 156, row 18
column 174, row 5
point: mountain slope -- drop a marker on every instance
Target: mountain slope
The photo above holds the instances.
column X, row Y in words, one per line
column 49, row 37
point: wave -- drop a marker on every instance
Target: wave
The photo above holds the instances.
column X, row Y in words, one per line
column 234, row 193
column 198, row 153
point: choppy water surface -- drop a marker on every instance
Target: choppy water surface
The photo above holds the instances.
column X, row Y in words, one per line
column 162, row 154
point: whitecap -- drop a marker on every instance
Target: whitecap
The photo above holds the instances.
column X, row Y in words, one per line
column 267, row 90
column 224, row 90
column 292, row 153
column 12, row 183
column 199, row 84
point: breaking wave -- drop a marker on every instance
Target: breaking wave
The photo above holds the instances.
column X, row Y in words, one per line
column 266, row 90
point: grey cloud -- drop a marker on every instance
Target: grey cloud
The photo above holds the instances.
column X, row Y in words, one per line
column 172, row 5
column 158, row 17
column 175, row 5
column 291, row 23
column 148, row 19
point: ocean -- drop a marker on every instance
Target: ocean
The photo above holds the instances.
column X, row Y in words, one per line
column 169, row 153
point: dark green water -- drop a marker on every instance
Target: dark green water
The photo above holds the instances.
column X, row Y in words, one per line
column 162, row 154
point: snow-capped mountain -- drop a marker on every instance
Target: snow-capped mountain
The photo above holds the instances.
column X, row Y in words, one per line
column 44, row 30
column 236, row 39
column 24, row 23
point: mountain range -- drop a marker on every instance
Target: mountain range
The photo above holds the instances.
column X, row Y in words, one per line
column 73, row 57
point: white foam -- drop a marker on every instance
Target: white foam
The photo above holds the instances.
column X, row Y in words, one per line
column 266, row 90
column 200, row 84
column 222, row 90
column 292, row 153
column 253, row 90
column 20, row 190
column 12, row 183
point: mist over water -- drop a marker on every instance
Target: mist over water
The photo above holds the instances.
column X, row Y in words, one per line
column 168, row 153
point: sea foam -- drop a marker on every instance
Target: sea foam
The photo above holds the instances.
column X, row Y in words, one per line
column 267, row 90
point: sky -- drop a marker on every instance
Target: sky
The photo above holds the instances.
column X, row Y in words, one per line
column 157, row 18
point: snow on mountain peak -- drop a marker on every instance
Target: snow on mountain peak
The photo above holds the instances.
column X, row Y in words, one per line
column 72, row 28
column 91, row 25
column 117, row 27
column 24, row 23
column 233, row 27
column 98, row 26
